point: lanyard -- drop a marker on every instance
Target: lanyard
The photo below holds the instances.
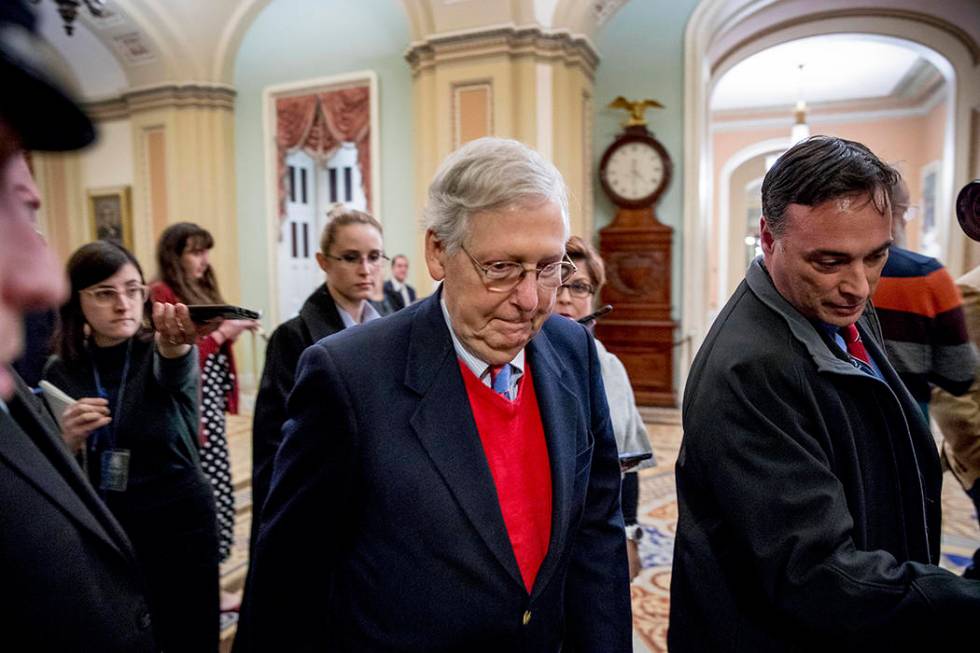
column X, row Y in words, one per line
column 108, row 433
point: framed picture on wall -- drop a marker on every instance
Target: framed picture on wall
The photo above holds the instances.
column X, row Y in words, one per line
column 929, row 243
column 110, row 214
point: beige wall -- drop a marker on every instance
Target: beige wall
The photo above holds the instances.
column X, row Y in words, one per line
column 110, row 161
column 509, row 84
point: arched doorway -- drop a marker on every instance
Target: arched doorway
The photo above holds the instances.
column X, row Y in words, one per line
column 720, row 35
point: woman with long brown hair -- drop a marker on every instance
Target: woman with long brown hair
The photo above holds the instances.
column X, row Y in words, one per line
column 185, row 275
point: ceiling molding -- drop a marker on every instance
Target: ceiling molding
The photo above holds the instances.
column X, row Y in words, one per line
column 165, row 96
column 871, row 12
column 507, row 40
column 828, row 113
column 918, row 82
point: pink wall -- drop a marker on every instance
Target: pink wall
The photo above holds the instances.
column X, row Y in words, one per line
column 908, row 142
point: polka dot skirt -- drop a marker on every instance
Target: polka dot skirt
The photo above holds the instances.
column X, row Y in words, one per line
column 216, row 382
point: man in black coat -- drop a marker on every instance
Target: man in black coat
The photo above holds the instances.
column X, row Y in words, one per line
column 808, row 483
column 70, row 579
column 397, row 291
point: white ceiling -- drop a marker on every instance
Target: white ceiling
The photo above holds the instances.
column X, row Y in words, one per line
column 96, row 70
column 835, row 68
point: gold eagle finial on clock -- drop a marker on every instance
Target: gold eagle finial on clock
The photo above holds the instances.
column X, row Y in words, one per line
column 636, row 109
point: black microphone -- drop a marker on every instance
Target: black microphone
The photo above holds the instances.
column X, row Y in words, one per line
column 591, row 317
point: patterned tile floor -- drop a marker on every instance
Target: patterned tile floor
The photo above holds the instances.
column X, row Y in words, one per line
column 658, row 516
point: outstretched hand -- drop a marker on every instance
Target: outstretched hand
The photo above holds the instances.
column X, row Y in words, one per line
column 175, row 332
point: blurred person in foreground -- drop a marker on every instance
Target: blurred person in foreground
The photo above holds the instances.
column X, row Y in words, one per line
column 959, row 416
column 808, row 485
column 576, row 300
column 71, row 581
column 351, row 253
column 448, row 478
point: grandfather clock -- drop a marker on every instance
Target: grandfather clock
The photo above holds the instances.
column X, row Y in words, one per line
column 634, row 172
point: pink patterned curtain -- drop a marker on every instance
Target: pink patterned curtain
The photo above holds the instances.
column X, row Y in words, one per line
column 318, row 124
column 348, row 118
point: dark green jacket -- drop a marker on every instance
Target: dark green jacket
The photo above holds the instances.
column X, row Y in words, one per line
column 157, row 421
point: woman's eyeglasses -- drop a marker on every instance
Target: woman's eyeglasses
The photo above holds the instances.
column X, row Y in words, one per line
column 578, row 289
column 355, row 259
column 109, row 296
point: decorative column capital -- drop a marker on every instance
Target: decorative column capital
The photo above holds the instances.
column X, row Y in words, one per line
column 164, row 96
column 557, row 45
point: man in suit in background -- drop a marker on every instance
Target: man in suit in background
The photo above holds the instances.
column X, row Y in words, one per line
column 448, row 478
column 398, row 293
column 70, row 578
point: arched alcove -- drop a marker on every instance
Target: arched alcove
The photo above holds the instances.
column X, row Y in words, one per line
column 711, row 49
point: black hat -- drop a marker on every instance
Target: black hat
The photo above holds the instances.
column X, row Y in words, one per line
column 32, row 101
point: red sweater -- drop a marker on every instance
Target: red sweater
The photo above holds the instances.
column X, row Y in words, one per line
column 513, row 441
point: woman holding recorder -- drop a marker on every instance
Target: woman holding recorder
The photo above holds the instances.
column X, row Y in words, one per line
column 135, row 426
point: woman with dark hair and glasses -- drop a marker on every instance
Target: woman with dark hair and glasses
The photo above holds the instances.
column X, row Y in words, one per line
column 352, row 255
column 185, row 275
column 134, row 427
column 576, row 299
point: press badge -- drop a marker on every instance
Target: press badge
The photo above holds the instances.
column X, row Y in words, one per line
column 115, row 470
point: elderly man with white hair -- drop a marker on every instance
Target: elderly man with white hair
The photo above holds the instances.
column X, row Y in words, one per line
column 448, row 478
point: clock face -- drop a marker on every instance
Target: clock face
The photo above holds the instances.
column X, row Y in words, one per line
column 635, row 170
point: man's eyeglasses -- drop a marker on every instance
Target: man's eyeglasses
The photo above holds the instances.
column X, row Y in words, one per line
column 579, row 289
column 109, row 296
column 374, row 258
column 503, row 276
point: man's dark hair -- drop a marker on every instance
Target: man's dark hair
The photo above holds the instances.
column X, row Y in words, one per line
column 820, row 169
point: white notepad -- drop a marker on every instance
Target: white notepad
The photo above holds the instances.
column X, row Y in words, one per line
column 57, row 399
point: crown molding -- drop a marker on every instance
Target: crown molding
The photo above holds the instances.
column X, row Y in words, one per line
column 955, row 31
column 164, row 96
column 508, row 40
column 814, row 116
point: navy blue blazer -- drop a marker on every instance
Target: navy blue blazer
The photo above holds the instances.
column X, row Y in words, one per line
column 382, row 530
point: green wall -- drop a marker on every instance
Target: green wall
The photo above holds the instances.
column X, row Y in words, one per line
column 295, row 40
column 642, row 56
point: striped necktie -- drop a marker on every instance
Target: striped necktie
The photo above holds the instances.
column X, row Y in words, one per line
column 500, row 379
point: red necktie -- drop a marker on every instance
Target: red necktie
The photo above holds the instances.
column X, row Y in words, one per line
column 854, row 345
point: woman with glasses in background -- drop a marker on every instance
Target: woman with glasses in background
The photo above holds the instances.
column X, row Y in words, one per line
column 352, row 256
column 185, row 275
column 134, row 427
column 575, row 300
